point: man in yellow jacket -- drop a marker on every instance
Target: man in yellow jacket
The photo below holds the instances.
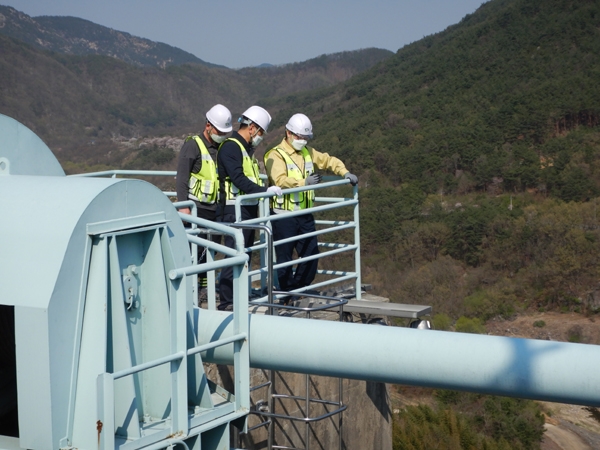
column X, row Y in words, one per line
column 292, row 164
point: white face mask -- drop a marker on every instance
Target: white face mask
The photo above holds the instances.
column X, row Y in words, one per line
column 256, row 139
column 299, row 144
column 217, row 138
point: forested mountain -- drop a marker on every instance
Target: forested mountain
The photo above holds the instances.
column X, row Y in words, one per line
column 74, row 36
column 84, row 88
column 73, row 102
column 487, row 103
column 466, row 142
column 477, row 150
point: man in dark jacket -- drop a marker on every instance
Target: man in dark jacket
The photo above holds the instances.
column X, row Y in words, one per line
column 197, row 172
column 239, row 174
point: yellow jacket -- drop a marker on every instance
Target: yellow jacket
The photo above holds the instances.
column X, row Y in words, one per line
column 277, row 169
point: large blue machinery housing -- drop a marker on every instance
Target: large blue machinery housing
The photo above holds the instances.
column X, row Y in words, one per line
column 103, row 344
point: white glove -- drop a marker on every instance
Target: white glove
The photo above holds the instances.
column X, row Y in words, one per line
column 275, row 190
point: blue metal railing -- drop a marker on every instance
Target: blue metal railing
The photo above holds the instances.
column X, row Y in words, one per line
column 322, row 204
column 330, row 203
column 180, row 422
column 114, row 173
column 243, row 277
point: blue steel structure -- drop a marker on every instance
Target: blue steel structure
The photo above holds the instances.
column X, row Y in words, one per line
column 103, row 319
column 110, row 345
column 333, row 277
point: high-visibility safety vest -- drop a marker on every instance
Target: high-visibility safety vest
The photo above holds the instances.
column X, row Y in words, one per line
column 297, row 200
column 250, row 169
column 203, row 185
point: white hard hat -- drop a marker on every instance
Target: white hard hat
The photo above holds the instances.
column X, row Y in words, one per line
column 300, row 125
column 258, row 115
column 220, row 117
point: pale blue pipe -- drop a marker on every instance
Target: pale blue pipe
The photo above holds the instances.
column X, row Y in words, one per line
column 525, row 368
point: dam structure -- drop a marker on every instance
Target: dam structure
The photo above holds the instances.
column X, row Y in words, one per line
column 106, row 346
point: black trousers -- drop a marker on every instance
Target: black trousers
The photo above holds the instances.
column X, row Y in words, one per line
column 211, row 215
column 226, row 278
column 290, row 279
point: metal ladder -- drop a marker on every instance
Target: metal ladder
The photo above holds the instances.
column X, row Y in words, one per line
column 266, row 408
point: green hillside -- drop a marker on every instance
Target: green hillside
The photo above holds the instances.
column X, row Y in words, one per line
column 476, row 106
column 477, row 150
column 469, row 143
column 71, row 101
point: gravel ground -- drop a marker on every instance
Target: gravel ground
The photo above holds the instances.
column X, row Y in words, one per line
column 568, row 427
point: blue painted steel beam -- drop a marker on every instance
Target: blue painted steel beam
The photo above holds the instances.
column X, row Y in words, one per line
column 524, row 368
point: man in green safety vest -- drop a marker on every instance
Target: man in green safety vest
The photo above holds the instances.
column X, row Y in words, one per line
column 239, row 174
column 292, row 164
column 197, row 173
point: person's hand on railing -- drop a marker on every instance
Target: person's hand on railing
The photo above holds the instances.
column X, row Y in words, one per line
column 187, row 211
column 315, row 178
column 353, row 178
column 275, row 190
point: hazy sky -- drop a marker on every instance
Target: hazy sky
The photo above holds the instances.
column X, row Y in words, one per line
column 237, row 33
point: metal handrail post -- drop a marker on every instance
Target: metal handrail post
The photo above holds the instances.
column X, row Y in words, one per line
column 341, row 392
column 178, row 369
column 241, row 365
column 341, row 416
column 194, row 250
column 271, row 403
column 357, row 243
column 264, row 256
column 307, row 427
column 269, row 234
column 211, row 279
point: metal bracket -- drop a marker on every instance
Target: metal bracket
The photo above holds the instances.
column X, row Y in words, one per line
column 130, row 285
